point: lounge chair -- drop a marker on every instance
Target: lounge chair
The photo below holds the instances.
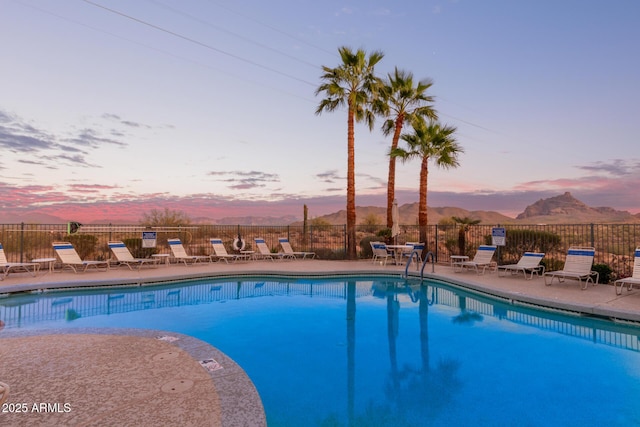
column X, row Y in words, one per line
column 124, row 257
column 286, row 247
column 528, row 263
column 265, row 253
column 483, row 257
column 220, row 252
column 70, row 258
column 576, row 266
column 380, row 253
column 7, row 267
column 181, row 255
column 635, row 276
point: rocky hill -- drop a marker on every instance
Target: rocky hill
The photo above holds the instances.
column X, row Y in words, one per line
column 567, row 209
column 563, row 209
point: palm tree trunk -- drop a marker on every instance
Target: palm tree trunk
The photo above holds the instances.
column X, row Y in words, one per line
column 351, row 186
column 391, row 182
column 422, row 205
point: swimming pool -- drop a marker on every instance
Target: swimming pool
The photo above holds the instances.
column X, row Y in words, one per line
column 378, row 350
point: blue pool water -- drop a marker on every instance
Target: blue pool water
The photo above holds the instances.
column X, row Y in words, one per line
column 380, row 351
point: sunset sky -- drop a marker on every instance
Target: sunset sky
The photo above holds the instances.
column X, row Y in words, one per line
column 110, row 108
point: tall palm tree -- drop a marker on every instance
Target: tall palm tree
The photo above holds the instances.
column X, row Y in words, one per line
column 354, row 84
column 402, row 101
column 429, row 141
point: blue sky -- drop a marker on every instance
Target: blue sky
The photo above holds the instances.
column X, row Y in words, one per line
column 112, row 108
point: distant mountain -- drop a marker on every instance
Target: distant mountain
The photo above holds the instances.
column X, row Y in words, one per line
column 409, row 215
column 253, row 220
column 566, row 209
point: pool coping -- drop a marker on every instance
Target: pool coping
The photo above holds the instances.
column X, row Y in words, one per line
column 230, row 381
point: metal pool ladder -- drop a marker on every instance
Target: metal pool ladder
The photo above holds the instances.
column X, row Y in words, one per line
column 424, row 263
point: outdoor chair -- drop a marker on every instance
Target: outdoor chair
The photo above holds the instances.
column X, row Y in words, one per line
column 180, row 254
column 286, row 247
column 576, row 266
column 220, row 252
column 7, row 267
column 380, row 253
column 70, row 258
column 482, row 259
column 265, row 253
column 528, row 263
column 124, row 257
column 635, row 276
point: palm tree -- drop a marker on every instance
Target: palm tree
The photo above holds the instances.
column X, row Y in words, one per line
column 462, row 231
column 352, row 83
column 429, row 141
column 401, row 102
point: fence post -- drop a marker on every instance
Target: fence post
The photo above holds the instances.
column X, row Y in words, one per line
column 435, row 251
column 593, row 244
column 21, row 241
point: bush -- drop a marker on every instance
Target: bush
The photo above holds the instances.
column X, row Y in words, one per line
column 605, row 273
column 85, row 244
column 365, row 246
column 136, row 249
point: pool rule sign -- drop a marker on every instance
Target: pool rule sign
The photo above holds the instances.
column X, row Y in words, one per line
column 149, row 239
column 498, row 236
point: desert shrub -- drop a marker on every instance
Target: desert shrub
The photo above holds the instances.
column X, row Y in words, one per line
column 365, row 246
column 370, row 223
column 85, row 244
column 519, row 241
column 136, row 249
column 320, row 224
column 605, row 272
column 326, row 253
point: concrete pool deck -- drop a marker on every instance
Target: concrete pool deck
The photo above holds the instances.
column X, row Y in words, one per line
column 145, row 377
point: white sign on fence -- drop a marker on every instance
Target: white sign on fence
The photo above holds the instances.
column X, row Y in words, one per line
column 149, row 239
column 498, row 236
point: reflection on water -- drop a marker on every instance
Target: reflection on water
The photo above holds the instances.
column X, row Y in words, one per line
column 414, row 352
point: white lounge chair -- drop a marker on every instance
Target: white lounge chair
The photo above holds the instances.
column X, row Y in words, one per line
column 7, row 267
column 576, row 266
column 220, row 252
column 483, row 257
column 124, row 257
column 635, row 276
column 70, row 258
column 181, row 255
column 380, row 253
column 528, row 263
column 286, row 247
column 265, row 253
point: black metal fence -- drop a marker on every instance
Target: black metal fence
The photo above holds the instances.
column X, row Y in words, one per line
column 614, row 243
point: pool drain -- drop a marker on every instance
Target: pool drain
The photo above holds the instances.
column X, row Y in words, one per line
column 177, row 386
column 168, row 355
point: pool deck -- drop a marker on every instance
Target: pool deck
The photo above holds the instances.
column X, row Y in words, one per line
column 146, row 377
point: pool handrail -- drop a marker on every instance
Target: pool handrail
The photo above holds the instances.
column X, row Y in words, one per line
column 424, row 263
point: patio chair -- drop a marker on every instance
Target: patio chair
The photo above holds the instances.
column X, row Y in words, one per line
column 380, row 253
column 635, row 276
column 483, row 257
column 415, row 246
column 70, row 258
column 286, row 247
column 576, row 266
column 220, row 252
column 528, row 263
column 124, row 257
column 265, row 253
column 181, row 255
column 7, row 267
